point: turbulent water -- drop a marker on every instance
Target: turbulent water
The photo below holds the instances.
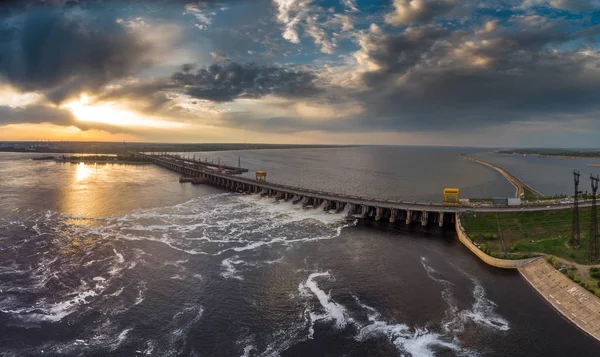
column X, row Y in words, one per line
column 125, row 261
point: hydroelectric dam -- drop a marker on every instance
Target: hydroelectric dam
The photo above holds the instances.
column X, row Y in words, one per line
column 422, row 213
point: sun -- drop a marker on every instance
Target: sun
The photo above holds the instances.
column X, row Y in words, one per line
column 111, row 113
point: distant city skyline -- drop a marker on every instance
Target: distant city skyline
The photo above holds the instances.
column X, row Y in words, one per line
column 472, row 73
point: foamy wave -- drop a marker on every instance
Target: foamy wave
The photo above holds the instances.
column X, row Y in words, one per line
column 52, row 312
column 141, row 293
column 409, row 340
column 332, row 311
column 229, row 264
column 414, row 341
column 482, row 311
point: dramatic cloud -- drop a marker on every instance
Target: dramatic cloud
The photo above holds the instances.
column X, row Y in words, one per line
column 228, row 80
column 427, row 77
column 61, row 52
column 280, row 67
column 35, row 114
column 407, row 12
column 569, row 5
column 296, row 14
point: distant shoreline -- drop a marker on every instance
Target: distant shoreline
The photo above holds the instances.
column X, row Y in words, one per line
column 115, row 148
column 593, row 154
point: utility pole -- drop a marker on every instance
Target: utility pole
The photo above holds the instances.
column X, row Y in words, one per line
column 594, row 222
column 575, row 234
column 239, row 162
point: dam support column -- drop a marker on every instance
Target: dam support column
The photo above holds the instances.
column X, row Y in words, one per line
column 317, row 202
column 305, row 201
column 424, row 218
column 441, row 219
column 351, row 208
column 408, row 217
column 363, row 211
column 393, row 215
column 378, row 213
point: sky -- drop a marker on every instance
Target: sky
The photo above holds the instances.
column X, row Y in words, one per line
column 504, row 73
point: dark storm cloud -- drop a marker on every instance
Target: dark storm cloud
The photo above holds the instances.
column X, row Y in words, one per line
column 428, row 78
column 61, row 53
column 221, row 82
column 227, row 80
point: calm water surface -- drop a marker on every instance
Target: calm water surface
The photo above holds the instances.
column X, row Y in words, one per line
column 550, row 175
column 125, row 261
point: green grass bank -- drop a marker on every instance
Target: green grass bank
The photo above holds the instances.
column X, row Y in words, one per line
column 528, row 232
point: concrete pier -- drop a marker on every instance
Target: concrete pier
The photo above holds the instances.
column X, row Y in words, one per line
column 424, row 218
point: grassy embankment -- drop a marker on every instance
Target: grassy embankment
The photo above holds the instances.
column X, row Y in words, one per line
column 528, row 232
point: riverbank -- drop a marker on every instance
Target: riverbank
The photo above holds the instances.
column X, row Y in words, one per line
column 566, row 154
column 522, row 190
column 572, row 301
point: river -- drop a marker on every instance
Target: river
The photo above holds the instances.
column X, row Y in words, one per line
column 123, row 260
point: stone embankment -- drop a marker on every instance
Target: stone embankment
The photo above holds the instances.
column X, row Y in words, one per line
column 493, row 261
column 574, row 302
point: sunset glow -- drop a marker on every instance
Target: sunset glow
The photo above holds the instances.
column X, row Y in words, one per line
column 111, row 114
column 425, row 72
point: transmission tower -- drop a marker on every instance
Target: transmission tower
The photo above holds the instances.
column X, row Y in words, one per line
column 575, row 234
column 594, row 222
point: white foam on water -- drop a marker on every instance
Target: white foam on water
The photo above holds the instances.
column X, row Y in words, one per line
column 37, row 229
column 230, row 264
column 118, row 292
column 289, row 212
column 413, row 341
column 482, row 311
column 51, row 312
column 121, row 338
column 247, row 350
column 141, row 292
column 332, row 310
column 180, row 325
column 120, row 258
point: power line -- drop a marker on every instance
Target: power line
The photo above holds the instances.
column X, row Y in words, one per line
column 594, row 222
column 575, row 234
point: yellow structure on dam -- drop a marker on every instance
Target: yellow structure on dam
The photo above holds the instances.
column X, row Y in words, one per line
column 451, row 196
column 261, row 176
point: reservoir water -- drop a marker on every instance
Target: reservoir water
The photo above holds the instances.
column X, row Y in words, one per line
column 123, row 260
